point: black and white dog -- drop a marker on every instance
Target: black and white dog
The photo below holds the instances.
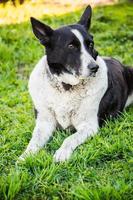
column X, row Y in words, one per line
column 72, row 86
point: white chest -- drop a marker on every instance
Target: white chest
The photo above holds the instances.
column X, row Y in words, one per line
column 72, row 108
column 65, row 106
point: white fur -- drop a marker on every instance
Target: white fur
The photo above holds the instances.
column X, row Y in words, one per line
column 129, row 100
column 67, row 78
column 85, row 57
column 77, row 107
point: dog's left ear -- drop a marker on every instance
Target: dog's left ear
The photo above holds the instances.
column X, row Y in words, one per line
column 85, row 19
column 42, row 31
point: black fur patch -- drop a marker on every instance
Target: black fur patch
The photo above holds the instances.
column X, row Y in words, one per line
column 60, row 56
column 36, row 113
column 119, row 87
column 66, row 86
column 128, row 73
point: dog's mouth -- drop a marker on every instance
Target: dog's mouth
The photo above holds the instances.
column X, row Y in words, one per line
column 68, row 76
column 88, row 76
column 93, row 74
column 58, row 68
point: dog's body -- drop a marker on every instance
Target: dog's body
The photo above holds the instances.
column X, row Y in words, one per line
column 82, row 93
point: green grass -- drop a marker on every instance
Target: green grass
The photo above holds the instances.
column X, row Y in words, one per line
column 100, row 169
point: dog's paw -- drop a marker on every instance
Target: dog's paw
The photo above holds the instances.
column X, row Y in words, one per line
column 62, row 154
column 22, row 158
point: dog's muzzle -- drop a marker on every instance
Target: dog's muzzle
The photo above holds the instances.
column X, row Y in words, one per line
column 93, row 67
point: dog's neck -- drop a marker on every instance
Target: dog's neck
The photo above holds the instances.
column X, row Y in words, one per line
column 66, row 86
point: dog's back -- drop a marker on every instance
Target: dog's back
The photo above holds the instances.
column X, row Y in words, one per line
column 119, row 92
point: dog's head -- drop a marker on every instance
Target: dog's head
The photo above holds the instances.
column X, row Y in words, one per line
column 70, row 49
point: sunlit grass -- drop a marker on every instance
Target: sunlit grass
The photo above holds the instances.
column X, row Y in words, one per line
column 10, row 14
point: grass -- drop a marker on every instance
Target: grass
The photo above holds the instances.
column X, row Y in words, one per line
column 100, row 169
column 37, row 8
column 11, row 14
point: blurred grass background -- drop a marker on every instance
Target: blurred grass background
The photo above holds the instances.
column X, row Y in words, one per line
column 17, row 11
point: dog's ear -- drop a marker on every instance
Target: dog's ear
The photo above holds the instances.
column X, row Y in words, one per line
column 41, row 31
column 85, row 19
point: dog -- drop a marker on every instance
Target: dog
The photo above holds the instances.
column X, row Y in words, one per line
column 72, row 86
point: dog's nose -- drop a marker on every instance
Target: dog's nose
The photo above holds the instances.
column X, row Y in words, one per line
column 93, row 68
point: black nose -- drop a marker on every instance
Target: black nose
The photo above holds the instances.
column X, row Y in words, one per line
column 93, row 67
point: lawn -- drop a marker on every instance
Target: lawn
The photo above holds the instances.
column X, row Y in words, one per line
column 100, row 169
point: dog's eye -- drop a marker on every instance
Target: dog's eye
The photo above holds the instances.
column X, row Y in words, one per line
column 71, row 46
column 91, row 45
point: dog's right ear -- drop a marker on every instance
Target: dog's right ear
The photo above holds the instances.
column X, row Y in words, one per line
column 41, row 31
column 85, row 19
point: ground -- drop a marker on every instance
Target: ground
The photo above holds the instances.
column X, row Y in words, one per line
column 100, row 169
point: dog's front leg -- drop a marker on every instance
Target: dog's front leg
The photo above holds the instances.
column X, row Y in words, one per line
column 84, row 131
column 45, row 125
